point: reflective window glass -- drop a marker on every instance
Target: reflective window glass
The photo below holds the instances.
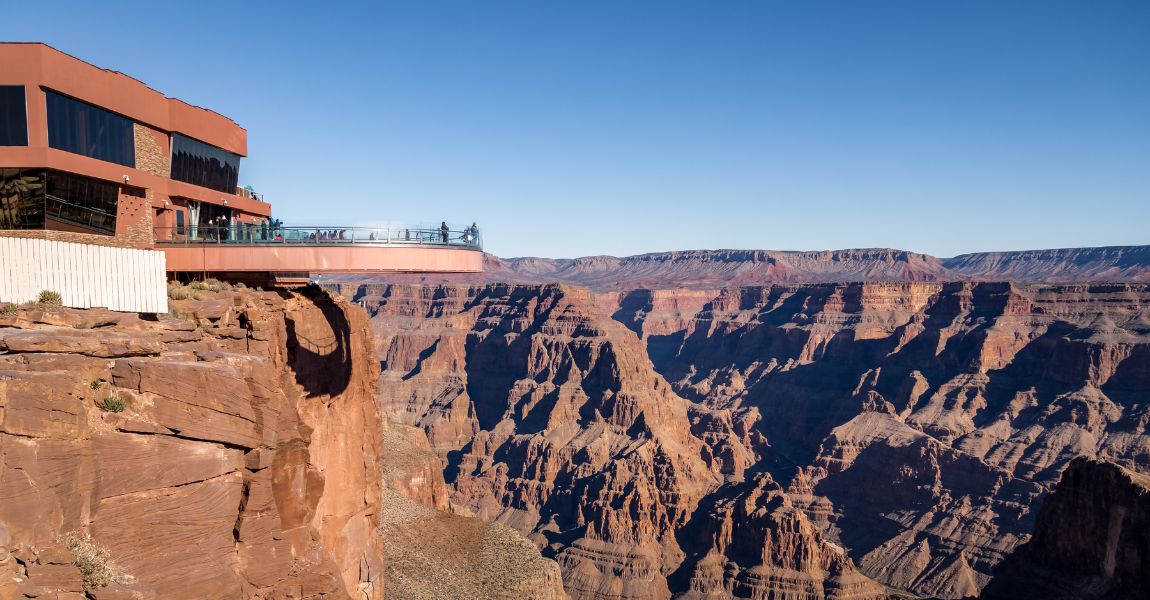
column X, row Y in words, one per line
column 13, row 116
column 72, row 202
column 204, row 165
column 21, row 199
column 81, row 128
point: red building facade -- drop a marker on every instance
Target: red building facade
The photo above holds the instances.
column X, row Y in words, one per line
column 94, row 156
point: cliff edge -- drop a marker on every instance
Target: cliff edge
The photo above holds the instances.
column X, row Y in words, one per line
column 228, row 450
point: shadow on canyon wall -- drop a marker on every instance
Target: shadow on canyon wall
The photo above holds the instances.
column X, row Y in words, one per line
column 319, row 347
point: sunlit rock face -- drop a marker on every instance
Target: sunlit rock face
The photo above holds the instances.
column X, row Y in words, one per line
column 648, row 441
column 239, row 459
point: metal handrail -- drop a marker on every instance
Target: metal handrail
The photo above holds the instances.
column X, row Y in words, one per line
column 262, row 235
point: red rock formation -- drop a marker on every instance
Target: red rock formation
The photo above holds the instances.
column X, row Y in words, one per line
column 915, row 424
column 754, row 543
column 1091, row 540
column 551, row 420
column 244, row 462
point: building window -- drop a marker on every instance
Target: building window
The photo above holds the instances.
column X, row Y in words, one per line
column 13, row 116
column 74, row 203
column 21, row 199
column 81, row 128
column 58, row 201
column 204, row 165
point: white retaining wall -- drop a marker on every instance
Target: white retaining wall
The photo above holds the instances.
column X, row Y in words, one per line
column 86, row 276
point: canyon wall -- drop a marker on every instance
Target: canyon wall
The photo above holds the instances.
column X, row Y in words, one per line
column 231, row 450
column 713, row 269
column 1092, row 540
column 808, row 441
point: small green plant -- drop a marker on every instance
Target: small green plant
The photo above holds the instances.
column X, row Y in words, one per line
column 93, row 560
column 199, row 286
column 8, row 309
column 50, row 297
column 95, row 384
column 112, row 404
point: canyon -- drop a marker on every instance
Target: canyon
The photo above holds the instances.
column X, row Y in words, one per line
column 230, row 449
column 856, row 424
column 807, row 440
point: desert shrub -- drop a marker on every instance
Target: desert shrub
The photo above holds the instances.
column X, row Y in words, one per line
column 216, row 285
column 92, row 559
column 8, row 309
column 95, row 384
column 112, row 404
column 50, row 297
column 199, row 286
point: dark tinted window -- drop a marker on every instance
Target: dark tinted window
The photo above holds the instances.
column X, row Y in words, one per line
column 21, row 199
column 13, row 116
column 204, row 165
column 81, row 128
column 73, row 201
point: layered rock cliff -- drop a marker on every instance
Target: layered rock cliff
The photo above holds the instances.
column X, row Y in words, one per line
column 229, row 451
column 551, row 419
column 1091, row 541
column 713, row 269
column 907, row 428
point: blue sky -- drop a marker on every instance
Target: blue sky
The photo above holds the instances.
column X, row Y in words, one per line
column 622, row 127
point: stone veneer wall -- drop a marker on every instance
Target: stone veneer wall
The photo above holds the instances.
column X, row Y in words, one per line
column 153, row 152
column 134, row 222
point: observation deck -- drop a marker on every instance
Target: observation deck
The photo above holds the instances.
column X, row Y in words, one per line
column 287, row 253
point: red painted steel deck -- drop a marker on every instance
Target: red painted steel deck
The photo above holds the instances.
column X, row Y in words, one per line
column 319, row 259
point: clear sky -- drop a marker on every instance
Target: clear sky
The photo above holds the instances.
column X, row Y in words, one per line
column 621, row 127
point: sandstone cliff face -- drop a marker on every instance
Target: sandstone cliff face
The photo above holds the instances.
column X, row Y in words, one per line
column 551, row 419
column 1091, row 540
column 919, row 423
column 913, row 425
column 244, row 463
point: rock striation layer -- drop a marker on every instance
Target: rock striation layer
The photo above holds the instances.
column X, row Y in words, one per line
column 551, row 419
column 898, row 432
column 713, row 269
column 231, row 451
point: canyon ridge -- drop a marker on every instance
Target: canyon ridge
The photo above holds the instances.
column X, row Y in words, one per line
column 698, row 425
column 849, row 424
